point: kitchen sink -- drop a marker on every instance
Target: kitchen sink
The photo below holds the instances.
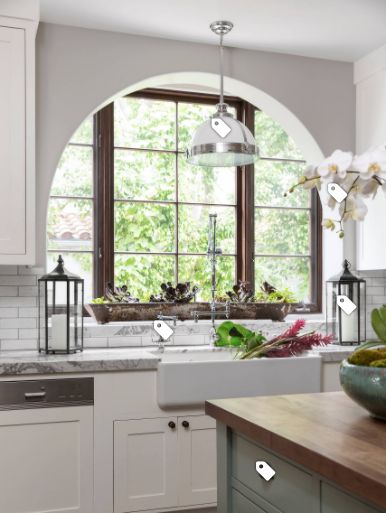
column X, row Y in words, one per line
column 188, row 377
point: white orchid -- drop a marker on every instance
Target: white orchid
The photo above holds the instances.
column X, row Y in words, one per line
column 371, row 164
column 360, row 176
column 336, row 165
column 353, row 208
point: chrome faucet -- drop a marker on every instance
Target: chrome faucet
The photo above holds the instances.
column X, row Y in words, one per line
column 213, row 252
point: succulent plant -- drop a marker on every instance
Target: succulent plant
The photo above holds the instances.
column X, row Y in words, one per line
column 181, row 293
column 241, row 293
column 119, row 295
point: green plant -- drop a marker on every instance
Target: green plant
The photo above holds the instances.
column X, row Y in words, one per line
column 98, row 300
column 270, row 294
column 235, row 335
column 119, row 295
column 373, row 352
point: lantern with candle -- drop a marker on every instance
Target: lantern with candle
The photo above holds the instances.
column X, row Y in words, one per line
column 346, row 328
column 61, row 298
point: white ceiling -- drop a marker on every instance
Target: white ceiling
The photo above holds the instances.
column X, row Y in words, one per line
column 330, row 29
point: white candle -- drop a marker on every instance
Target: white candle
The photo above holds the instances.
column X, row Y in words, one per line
column 59, row 331
column 349, row 327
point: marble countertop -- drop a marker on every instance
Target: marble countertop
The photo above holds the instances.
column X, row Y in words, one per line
column 14, row 363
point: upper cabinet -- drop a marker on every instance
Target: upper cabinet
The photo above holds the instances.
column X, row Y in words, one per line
column 370, row 79
column 17, row 141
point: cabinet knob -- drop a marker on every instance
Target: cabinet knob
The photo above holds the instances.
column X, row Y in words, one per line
column 185, row 424
column 172, row 424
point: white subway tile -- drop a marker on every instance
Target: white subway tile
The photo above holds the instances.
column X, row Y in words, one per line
column 27, row 270
column 95, row 342
column 6, row 313
column 28, row 333
column 17, row 280
column 31, row 291
column 124, row 341
column 18, row 345
column 27, row 312
column 18, row 301
column 8, row 291
column 8, row 333
column 8, row 269
column 376, row 290
column 18, row 323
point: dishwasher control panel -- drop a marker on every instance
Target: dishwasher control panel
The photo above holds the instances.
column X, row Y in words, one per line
column 46, row 393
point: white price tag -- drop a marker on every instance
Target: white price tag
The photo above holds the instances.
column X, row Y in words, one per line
column 346, row 304
column 265, row 470
column 336, row 192
column 220, row 127
column 163, row 329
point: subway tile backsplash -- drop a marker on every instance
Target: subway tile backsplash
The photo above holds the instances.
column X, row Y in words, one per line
column 19, row 316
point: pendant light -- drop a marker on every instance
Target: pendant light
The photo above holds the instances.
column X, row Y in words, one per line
column 222, row 141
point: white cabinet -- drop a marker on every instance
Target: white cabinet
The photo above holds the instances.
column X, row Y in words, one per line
column 197, row 460
column 164, row 463
column 46, row 460
column 370, row 78
column 17, row 141
column 145, row 464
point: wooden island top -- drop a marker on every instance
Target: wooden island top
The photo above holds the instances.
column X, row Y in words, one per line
column 326, row 433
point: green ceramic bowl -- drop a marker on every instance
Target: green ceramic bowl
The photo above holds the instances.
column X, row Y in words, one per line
column 366, row 386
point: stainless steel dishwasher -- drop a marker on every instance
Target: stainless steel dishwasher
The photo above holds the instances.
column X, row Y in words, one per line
column 46, row 446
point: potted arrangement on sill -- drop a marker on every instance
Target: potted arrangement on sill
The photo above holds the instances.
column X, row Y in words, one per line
column 119, row 305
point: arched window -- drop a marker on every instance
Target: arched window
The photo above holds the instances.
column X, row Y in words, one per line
column 126, row 207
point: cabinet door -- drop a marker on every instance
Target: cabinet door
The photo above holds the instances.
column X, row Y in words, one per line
column 12, row 142
column 197, row 465
column 46, row 460
column 145, row 464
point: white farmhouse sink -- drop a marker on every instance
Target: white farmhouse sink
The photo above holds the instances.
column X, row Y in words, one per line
column 190, row 377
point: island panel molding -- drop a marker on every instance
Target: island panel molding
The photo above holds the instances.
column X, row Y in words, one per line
column 327, row 434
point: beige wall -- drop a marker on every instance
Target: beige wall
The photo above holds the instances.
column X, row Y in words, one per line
column 79, row 69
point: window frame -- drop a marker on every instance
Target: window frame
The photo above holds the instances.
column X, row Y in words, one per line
column 245, row 207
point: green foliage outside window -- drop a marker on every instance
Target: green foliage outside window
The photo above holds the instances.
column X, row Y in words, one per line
column 162, row 204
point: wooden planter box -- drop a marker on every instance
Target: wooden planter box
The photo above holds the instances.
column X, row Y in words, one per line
column 115, row 312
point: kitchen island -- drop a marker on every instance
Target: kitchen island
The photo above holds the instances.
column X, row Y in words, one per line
column 328, row 455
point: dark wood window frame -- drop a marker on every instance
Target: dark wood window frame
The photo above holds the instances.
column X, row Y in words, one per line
column 245, row 216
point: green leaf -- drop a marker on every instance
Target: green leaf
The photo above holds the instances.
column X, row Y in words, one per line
column 378, row 322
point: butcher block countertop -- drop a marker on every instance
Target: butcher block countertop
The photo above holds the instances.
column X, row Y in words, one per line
column 326, row 433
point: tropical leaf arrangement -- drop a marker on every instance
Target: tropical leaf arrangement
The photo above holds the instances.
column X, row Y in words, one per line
column 373, row 353
column 254, row 345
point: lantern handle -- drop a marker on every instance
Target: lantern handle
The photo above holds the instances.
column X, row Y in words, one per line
column 60, row 267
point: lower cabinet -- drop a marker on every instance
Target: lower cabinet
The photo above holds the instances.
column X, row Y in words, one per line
column 46, row 460
column 164, row 463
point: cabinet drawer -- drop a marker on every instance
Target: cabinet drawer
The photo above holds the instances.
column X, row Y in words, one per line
column 241, row 504
column 290, row 490
column 336, row 501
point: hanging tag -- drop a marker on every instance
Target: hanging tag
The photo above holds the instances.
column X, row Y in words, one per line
column 163, row 329
column 346, row 304
column 336, row 192
column 265, row 470
column 220, row 127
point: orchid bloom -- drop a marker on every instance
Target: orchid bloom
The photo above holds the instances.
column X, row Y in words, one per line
column 371, row 164
column 336, row 164
column 353, row 208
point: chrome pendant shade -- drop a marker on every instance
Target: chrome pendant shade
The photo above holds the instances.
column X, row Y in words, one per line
column 222, row 140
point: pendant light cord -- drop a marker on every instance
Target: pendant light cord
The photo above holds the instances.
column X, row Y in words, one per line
column 221, row 70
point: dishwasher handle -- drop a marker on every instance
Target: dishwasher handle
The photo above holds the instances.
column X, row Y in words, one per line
column 34, row 396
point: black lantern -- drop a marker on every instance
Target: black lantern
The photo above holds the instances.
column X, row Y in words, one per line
column 346, row 323
column 61, row 311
